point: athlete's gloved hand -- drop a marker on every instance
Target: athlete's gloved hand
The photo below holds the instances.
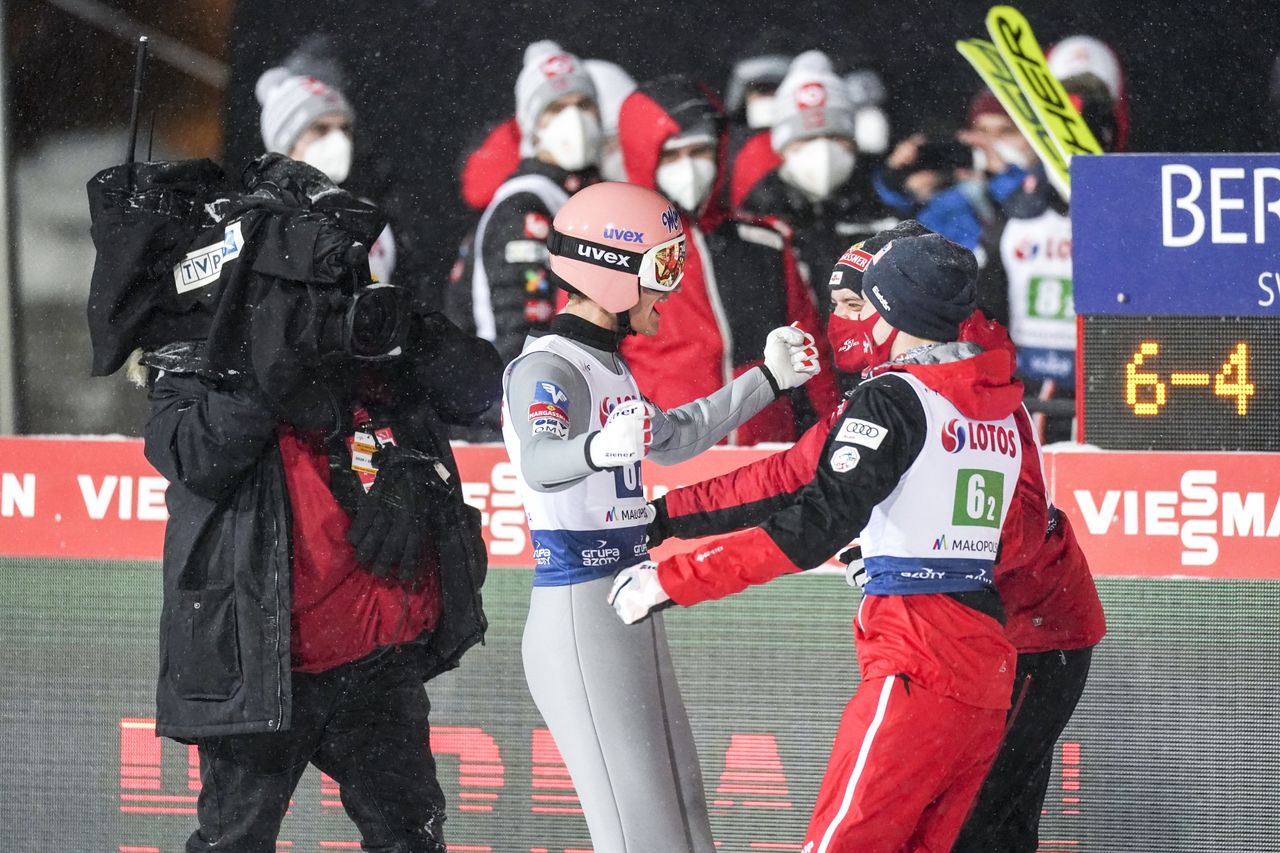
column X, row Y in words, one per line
column 624, row 438
column 658, row 524
column 390, row 528
column 790, row 357
column 636, row 592
column 855, row 573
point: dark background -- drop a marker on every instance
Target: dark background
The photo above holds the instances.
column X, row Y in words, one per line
column 427, row 76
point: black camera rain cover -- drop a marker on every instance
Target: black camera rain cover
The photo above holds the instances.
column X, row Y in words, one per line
column 144, row 217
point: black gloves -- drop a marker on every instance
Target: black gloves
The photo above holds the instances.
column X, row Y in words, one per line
column 392, row 528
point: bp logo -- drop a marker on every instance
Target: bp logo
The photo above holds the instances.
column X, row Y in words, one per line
column 954, row 436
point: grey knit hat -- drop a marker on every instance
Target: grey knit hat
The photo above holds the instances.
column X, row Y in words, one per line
column 291, row 102
column 811, row 101
column 550, row 73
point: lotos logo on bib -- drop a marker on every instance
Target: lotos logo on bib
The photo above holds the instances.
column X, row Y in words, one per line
column 958, row 435
column 953, row 436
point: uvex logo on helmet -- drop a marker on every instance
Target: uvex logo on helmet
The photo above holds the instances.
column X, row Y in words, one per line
column 811, row 95
column 611, row 258
column 612, row 232
column 557, row 65
column 993, row 438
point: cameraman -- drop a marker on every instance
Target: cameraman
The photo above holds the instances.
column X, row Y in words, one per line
column 319, row 564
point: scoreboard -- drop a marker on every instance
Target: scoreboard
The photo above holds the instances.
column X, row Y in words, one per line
column 1177, row 290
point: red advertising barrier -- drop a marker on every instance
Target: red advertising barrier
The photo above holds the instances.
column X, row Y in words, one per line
column 1137, row 514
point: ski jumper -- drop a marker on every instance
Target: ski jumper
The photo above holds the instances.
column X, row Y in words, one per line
column 606, row 690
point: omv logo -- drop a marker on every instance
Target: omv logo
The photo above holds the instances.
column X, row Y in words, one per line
column 954, row 436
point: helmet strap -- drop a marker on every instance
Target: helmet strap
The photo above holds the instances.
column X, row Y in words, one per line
column 624, row 325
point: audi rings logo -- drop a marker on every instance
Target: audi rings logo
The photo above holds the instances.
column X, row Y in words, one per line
column 858, row 431
column 953, row 436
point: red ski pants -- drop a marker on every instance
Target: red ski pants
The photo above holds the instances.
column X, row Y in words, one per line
column 904, row 770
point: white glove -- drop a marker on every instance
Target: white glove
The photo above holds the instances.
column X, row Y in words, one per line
column 791, row 357
column 636, row 591
column 624, row 438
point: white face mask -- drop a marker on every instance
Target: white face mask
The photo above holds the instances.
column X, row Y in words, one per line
column 572, row 139
column 817, row 166
column 1011, row 154
column 687, row 181
column 760, row 112
column 611, row 165
column 871, row 130
column 330, row 154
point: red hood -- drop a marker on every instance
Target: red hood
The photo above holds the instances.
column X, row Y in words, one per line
column 490, row 163
column 982, row 387
column 648, row 119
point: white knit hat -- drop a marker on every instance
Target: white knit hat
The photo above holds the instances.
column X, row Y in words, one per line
column 811, row 101
column 291, row 102
column 549, row 73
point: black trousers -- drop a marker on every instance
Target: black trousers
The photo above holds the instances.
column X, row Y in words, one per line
column 1006, row 815
column 364, row 724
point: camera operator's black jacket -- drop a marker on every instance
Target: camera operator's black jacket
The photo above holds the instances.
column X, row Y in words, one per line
column 225, row 624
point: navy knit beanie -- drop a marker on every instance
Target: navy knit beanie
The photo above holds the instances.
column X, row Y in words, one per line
column 923, row 286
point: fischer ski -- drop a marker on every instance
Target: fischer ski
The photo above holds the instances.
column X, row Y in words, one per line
column 1016, row 42
column 991, row 67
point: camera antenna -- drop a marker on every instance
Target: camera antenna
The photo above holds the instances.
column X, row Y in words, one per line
column 139, row 73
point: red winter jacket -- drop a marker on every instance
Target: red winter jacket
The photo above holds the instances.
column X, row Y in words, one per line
column 488, row 166
column 740, row 282
column 341, row 612
column 1043, row 576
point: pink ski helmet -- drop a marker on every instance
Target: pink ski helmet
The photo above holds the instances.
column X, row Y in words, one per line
column 611, row 239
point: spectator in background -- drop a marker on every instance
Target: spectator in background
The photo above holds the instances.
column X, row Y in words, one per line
column 1026, row 283
column 749, row 101
column 740, row 279
column 1082, row 54
column 310, row 120
column 822, row 189
column 613, row 85
column 956, row 187
column 496, row 153
column 870, row 121
column 501, row 290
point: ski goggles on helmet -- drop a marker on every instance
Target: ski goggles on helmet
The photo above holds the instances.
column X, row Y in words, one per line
column 659, row 267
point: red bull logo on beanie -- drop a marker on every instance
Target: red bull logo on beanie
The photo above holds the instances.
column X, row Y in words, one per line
column 811, row 95
column 992, row 438
column 557, row 65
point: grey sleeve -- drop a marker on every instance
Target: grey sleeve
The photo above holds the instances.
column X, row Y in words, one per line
column 684, row 432
column 550, row 459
